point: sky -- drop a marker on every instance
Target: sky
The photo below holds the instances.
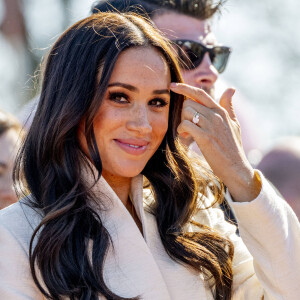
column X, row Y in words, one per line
column 264, row 66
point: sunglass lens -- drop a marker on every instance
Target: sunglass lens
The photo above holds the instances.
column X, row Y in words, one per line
column 219, row 57
column 190, row 53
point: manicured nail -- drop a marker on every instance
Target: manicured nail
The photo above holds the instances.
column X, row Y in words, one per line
column 184, row 135
column 173, row 85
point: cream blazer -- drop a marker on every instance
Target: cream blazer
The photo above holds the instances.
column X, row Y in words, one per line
column 266, row 262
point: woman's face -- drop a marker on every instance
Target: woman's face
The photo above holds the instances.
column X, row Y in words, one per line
column 133, row 118
column 8, row 150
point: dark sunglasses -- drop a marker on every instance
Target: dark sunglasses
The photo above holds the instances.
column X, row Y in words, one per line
column 191, row 53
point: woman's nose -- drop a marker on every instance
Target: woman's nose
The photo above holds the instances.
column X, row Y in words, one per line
column 139, row 120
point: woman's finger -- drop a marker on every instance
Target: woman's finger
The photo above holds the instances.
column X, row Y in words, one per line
column 193, row 93
column 205, row 111
column 188, row 127
column 193, row 115
column 226, row 102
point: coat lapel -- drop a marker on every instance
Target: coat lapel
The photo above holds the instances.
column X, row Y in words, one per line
column 182, row 281
column 138, row 265
column 129, row 269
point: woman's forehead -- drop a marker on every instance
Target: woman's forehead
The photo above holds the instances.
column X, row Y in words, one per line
column 141, row 64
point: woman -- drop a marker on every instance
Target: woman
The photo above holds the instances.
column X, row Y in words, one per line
column 107, row 124
column 10, row 134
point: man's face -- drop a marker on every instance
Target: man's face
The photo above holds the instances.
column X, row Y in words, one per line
column 179, row 26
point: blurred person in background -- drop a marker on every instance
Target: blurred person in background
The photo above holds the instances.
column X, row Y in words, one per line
column 281, row 165
column 10, row 133
column 189, row 25
column 13, row 25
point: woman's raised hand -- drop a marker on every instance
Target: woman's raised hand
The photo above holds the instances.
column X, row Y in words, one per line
column 216, row 130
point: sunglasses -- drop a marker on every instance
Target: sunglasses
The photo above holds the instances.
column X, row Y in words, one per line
column 191, row 53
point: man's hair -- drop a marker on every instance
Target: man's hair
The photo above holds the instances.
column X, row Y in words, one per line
column 200, row 9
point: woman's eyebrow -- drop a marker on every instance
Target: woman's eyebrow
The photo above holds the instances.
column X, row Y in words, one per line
column 159, row 92
column 135, row 89
column 124, row 85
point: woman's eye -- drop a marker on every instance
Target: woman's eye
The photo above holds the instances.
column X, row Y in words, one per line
column 118, row 97
column 158, row 102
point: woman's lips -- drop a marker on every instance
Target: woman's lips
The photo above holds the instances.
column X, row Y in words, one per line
column 132, row 146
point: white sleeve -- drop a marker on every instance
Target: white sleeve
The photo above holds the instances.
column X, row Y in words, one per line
column 271, row 231
column 16, row 282
column 266, row 263
column 245, row 283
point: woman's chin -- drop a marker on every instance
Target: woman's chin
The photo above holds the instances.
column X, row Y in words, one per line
column 126, row 171
column 131, row 173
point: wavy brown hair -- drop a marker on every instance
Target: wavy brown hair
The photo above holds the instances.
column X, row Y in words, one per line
column 52, row 161
column 200, row 9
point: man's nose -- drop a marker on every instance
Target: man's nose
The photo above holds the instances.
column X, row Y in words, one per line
column 139, row 120
column 205, row 74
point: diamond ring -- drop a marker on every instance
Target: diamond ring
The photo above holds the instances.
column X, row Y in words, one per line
column 196, row 118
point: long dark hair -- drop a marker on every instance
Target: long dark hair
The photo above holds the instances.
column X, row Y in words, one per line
column 52, row 161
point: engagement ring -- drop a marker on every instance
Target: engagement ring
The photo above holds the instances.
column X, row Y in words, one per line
column 196, row 118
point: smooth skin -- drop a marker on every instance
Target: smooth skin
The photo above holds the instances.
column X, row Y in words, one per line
column 218, row 136
column 132, row 119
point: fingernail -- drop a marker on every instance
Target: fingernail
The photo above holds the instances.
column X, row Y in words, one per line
column 184, row 135
column 173, row 85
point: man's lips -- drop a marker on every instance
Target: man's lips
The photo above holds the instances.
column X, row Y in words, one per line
column 132, row 146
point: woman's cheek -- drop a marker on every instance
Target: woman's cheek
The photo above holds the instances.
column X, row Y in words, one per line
column 161, row 126
column 109, row 118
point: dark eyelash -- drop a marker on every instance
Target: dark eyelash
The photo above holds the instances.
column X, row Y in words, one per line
column 113, row 95
column 162, row 101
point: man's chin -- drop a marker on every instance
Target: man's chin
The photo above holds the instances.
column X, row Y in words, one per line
column 210, row 92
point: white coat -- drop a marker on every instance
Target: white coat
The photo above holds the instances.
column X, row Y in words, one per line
column 139, row 265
